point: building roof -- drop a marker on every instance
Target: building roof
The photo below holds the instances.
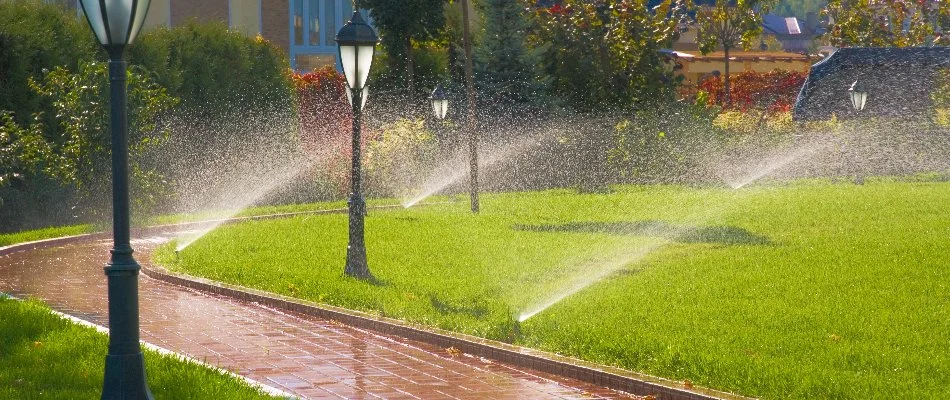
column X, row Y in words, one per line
column 738, row 56
column 899, row 81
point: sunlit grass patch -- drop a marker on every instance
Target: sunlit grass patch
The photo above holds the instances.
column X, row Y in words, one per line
column 43, row 356
column 45, row 233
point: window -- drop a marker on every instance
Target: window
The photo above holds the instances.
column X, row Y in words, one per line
column 313, row 26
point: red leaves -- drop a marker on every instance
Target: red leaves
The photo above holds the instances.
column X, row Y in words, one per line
column 325, row 120
column 774, row 91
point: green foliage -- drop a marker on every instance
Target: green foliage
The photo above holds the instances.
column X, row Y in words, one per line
column 604, row 55
column 659, row 145
column 35, row 36
column 81, row 155
column 799, row 8
column 24, row 150
column 402, row 26
column 773, row 300
column 506, row 69
column 399, row 157
column 888, row 23
column 430, row 65
column 215, row 71
column 45, row 356
column 730, row 24
column 738, row 124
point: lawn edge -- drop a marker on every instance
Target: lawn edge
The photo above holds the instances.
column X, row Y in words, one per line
column 597, row 374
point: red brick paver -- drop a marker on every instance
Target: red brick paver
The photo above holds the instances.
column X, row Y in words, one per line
column 302, row 355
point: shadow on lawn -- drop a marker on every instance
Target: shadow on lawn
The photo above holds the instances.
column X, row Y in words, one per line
column 675, row 233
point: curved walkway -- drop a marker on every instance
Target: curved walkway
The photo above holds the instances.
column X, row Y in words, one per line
column 308, row 357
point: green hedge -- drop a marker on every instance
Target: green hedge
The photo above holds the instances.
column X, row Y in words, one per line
column 34, row 37
column 214, row 70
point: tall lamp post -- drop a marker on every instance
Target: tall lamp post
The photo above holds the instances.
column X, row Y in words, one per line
column 357, row 43
column 116, row 24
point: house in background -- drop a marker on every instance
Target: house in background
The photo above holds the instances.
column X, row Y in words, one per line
column 794, row 35
column 306, row 29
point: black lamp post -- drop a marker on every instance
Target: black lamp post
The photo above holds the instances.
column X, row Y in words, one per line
column 357, row 43
column 859, row 95
column 116, row 24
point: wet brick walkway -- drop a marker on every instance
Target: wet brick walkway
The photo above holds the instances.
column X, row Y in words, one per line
column 308, row 357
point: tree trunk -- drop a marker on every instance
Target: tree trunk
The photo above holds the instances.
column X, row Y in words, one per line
column 728, row 100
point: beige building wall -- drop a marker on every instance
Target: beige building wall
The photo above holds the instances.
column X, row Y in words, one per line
column 201, row 11
column 246, row 16
column 159, row 13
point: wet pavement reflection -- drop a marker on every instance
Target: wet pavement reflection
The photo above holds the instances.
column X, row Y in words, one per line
column 308, row 357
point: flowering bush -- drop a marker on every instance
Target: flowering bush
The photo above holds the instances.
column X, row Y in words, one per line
column 325, row 123
column 774, row 91
column 398, row 159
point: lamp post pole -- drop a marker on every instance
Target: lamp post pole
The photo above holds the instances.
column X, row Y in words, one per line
column 357, row 44
column 116, row 24
column 125, row 367
column 356, row 264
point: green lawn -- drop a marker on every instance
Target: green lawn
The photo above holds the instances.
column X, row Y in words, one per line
column 7, row 239
column 43, row 356
column 805, row 290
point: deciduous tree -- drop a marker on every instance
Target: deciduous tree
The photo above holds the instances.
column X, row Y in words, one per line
column 604, row 53
column 506, row 67
column 888, row 23
column 402, row 22
column 730, row 24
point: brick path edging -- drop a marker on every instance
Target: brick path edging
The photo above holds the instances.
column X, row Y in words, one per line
column 613, row 378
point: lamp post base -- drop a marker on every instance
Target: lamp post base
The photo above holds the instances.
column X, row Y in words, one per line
column 356, row 265
column 125, row 378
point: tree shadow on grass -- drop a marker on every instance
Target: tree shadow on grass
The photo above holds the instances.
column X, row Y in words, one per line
column 674, row 233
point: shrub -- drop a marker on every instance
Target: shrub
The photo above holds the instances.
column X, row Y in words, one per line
column 774, row 91
column 397, row 158
column 605, row 54
column 661, row 145
column 215, row 71
column 36, row 36
column 81, row 157
column 324, row 125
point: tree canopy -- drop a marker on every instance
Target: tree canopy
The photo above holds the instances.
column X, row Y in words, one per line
column 888, row 23
column 730, row 24
column 402, row 22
